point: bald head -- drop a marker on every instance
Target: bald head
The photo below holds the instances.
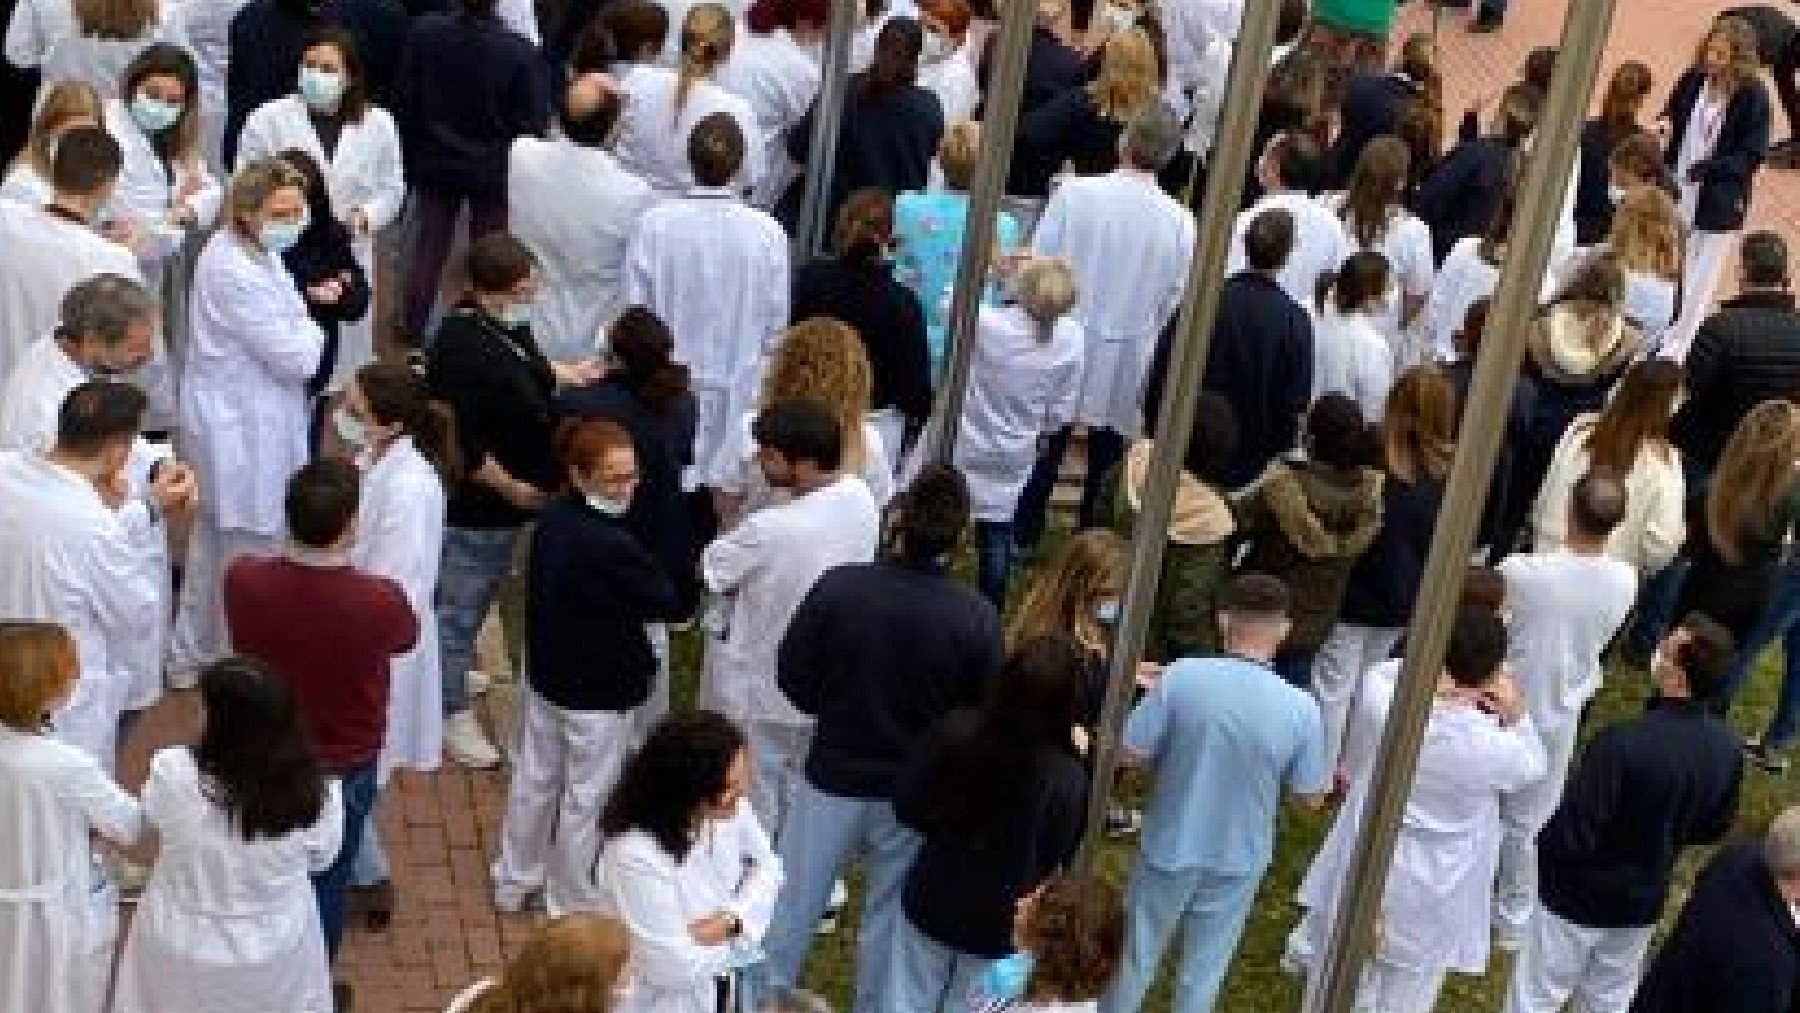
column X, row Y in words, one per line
column 591, row 108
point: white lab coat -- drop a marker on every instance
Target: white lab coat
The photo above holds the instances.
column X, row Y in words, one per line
column 45, row 256
column 1655, row 495
column 146, row 192
column 1465, row 277
column 1129, row 245
column 23, row 185
column 57, row 914
column 1320, row 244
column 100, row 62
column 763, row 568
column 715, row 270
column 576, row 207
column 1649, row 305
column 952, row 79
column 1199, row 57
column 362, row 174
column 400, row 535
column 778, row 79
column 730, row 868
column 876, row 468
column 1435, row 912
column 226, row 924
column 66, row 558
column 1406, row 243
column 1022, row 386
column 1351, row 356
column 654, row 139
column 203, row 28
column 243, row 395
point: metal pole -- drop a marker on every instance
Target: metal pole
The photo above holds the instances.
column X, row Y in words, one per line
column 1224, row 192
column 1515, row 300
column 828, row 113
column 1000, row 117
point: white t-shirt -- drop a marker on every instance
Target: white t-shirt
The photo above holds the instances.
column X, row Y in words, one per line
column 1565, row 608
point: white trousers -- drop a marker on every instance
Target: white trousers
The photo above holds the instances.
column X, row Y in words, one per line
column 657, row 707
column 1337, row 674
column 1522, row 814
column 1594, row 970
column 1707, row 253
column 1383, row 988
column 565, row 763
column 200, row 636
column 777, row 754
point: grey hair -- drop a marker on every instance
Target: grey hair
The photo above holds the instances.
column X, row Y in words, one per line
column 105, row 306
column 1783, row 844
column 1152, row 137
column 253, row 185
column 1045, row 290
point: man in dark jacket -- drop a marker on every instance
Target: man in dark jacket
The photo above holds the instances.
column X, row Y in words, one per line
column 1644, row 789
column 467, row 87
column 268, row 36
column 1261, row 357
column 1744, row 354
column 1736, row 948
column 877, row 653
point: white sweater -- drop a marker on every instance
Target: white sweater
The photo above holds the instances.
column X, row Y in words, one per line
column 1653, row 527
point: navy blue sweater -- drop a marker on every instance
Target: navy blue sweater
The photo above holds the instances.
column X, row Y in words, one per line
column 467, row 87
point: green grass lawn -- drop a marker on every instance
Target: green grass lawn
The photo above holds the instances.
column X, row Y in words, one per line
column 1256, row 983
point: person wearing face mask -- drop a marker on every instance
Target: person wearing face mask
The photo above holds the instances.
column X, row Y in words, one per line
column 572, row 202
column 325, row 270
column 243, row 406
column 165, row 192
column 485, row 364
column 405, row 444
column 590, row 590
column 356, row 151
column 51, row 247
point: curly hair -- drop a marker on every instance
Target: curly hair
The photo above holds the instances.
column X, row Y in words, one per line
column 823, row 358
column 572, row 966
column 1075, row 930
column 666, row 785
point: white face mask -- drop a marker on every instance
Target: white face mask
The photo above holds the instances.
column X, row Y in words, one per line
column 1116, row 18
column 607, row 507
column 350, row 429
column 937, row 49
column 320, row 89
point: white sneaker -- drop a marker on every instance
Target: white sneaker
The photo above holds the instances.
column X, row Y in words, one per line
column 467, row 744
column 478, row 683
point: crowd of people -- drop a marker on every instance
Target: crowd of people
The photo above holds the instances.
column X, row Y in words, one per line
column 328, row 326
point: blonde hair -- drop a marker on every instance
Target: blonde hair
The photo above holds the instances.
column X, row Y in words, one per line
column 572, row 966
column 1756, row 471
column 116, row 19
column 1129, row 76
column 1087, row 568
column 252, row 187
column 959, row 153
column 1045, row 289
column 823, row 358
column 1746, row 59
column 1646, row 233
column 706, row 37
column 1418, row 427
column 37, row 666
column 59, row 105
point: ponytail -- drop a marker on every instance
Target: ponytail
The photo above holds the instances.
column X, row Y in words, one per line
column 706, row 37
column 399, row 396
column 643, row 347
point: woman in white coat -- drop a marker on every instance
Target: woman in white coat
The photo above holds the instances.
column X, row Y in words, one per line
column 405, row 444
column 83, row 40
column 203, row 28
column 664, row 107
column 1351, row 352
column 243, row 409
column 57, row 915
column 329, row 117
column 62, row 107
column 774, row 67
column 686, row 865
column 1375, row 218
column 1024, row 384
column 228, row 921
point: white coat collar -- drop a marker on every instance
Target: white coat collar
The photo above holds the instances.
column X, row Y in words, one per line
column 698, row 192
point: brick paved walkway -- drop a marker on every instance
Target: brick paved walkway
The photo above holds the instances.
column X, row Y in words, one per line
column 442, row 829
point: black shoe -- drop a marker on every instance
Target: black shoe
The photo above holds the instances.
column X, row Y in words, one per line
column 1767, row 757
column 1485, row 24
column 1121, row 822
column 342, row 998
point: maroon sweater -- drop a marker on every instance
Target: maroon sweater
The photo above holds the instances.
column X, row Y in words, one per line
column 330, row 631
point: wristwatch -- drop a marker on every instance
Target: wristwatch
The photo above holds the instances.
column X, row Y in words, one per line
column 734, row 925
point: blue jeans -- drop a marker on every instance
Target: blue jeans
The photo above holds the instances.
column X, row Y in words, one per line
column 474, row 562
column 1105, row 449
column 371, row 865
column 358, row 788
column 1656, row 604
column 993, row 559
column 1211, row 908
column 818, row 834
column 927, row 976
column 1780, row 619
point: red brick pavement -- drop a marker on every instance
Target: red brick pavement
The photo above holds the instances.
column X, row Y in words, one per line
column 442, row 829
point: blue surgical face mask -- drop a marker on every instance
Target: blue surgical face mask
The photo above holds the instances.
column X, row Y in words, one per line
column 153, row 115
column 1006, row 978
column 350, row 429
column 1107, row 611
column 516, row 315
column 606, row 506
column 320, row 89
column 280, row 237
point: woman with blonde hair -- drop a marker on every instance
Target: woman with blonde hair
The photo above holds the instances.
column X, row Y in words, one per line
column 823, row 359
column 1646, row 236
column 86, row 40
column 62, row 107
column 1076, row 593
column 1737, row 529
column 576, row 964
column 58, row 917
column 1024, row 384
column 1373, row 210
column 1082, row 126
column 663, row 106
column 1716, row 122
